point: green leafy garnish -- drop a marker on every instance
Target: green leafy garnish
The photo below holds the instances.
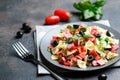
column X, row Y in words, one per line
column 90, row 10
column 88, row 36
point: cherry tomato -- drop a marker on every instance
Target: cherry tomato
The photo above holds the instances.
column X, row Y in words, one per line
column 52, row 19
column 63, row 14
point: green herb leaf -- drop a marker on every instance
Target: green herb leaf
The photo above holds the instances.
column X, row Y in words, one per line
column 49, row 50
column 76, row 5
column 88, row 36
column 99, row 3
column 85, row 4
column 88, row 14
column 90, row 10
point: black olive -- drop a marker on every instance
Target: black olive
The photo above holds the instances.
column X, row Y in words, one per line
column 24, row 26
column 27, row 30
column 108, row 34
column 98, row 35
column 102, row 77
column 76, row 26
column 54, row 43
column 83, row 29
column 19, row 34
column 107, row 49
column 90, row 58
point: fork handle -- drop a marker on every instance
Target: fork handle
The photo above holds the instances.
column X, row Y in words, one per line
column 56, row 76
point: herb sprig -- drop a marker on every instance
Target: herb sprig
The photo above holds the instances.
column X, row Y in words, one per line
column 90, row 10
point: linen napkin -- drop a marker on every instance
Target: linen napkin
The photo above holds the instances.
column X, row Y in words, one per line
column 41, row 31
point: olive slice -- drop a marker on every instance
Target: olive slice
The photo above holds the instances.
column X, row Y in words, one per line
column 108, row 34
column 75, row 26
column 98, row 35
column 90, row 58
column 54, row 43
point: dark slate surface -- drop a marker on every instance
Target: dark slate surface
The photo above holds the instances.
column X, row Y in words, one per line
column 14, row 12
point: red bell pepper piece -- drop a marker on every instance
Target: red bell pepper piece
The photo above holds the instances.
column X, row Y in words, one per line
column 67, row 63
column 82, row 55
column 91, row 39
column 57, row 53
column 81, row 49
column 62, row 60
column 93, row 52
column 97, row 57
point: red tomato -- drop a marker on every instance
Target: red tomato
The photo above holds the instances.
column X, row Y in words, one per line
column 52, row 19
column 50, row 47
column 91, row 39
column 81, row 49
column 113, row 50
column 62, row 60
column 57, row 53
column 97, row 57
column 93, row 52
column 82, row 55
column 67, row 63
column 63, row 14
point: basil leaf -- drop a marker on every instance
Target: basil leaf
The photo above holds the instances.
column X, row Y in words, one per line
column 99, row 3
column 97, row 16
column 76, row 5
column 99, row 11
column 88, row 14
column 85, row 4
column 90, row 10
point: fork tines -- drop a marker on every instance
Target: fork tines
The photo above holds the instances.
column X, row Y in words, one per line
column 20, row 49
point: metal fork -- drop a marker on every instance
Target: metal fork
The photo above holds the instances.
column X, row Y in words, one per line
column 27, row 56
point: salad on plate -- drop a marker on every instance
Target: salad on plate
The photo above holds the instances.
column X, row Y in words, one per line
column 83, row 46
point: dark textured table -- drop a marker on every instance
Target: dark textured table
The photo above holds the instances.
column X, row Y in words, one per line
column 14, row 12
